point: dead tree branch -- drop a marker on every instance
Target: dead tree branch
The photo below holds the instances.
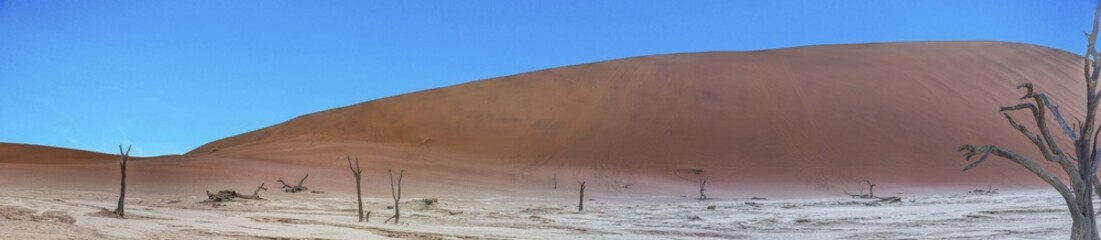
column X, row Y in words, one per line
column 296, row 188
column 229, row 195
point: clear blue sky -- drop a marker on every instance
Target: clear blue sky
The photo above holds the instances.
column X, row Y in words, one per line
column 168, row 76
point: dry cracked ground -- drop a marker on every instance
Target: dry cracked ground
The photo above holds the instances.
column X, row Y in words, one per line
column 38, row 214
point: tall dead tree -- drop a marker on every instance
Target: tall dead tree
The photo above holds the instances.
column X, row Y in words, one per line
column 396, row 194
column 581, row 199
column 357, row 172
column 703, row 183
column 555, row 181
column 1083, row 135
column 296, row 188
column 120, row 211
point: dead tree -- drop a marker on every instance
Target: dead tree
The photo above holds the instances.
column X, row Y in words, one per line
column 296, row 188
column 229, row 195
column 871, row 189
column 703, row 183
column 581, row 199
column 396, row 193
column 555, row 181
column 357, row 172
column 1082, row 178
column 120, row 211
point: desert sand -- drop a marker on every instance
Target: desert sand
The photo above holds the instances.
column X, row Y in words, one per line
column 800, row 126
column 51, row 214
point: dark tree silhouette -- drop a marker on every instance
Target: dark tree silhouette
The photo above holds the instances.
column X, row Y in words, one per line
column 396, row 193
column 357, row 172
column 1083, row 175
column 581, row 198
column 120, row 211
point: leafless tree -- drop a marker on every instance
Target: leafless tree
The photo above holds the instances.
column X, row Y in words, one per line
column 581, row 199
column 396, row 193
column 703, row 183
column 120, row 211
column 296, row 188
column 357, row 172
column 555, row 181
column 1082, row 178
column 871, row 188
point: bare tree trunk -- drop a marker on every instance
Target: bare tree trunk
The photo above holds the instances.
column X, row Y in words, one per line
column 556, row 181
column 120, row 211
column 357, row 172
column 703, row 183
column 1078, row 196
column 581, row 198
column 396, row 194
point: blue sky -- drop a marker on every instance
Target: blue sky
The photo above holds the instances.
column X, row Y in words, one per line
column 168, row 76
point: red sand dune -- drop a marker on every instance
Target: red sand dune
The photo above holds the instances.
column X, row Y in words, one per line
column 807, row 120
column 34, row 154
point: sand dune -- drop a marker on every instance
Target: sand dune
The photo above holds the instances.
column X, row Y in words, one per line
column 808, row 120
column 821, row 117
column 35, row 154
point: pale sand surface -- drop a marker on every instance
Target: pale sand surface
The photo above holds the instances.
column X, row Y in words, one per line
column 1032, row 214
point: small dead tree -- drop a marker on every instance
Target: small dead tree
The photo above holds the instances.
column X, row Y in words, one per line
column 556, row 181
column 120, row 211
column 296, row 188
column 357, row 172
column 581, row 198
column 1078, row 196
column 871, row 189
column 703, row 183
column 396, row 193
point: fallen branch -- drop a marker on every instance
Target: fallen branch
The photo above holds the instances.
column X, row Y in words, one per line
column 296, row 188
column 229, row 195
